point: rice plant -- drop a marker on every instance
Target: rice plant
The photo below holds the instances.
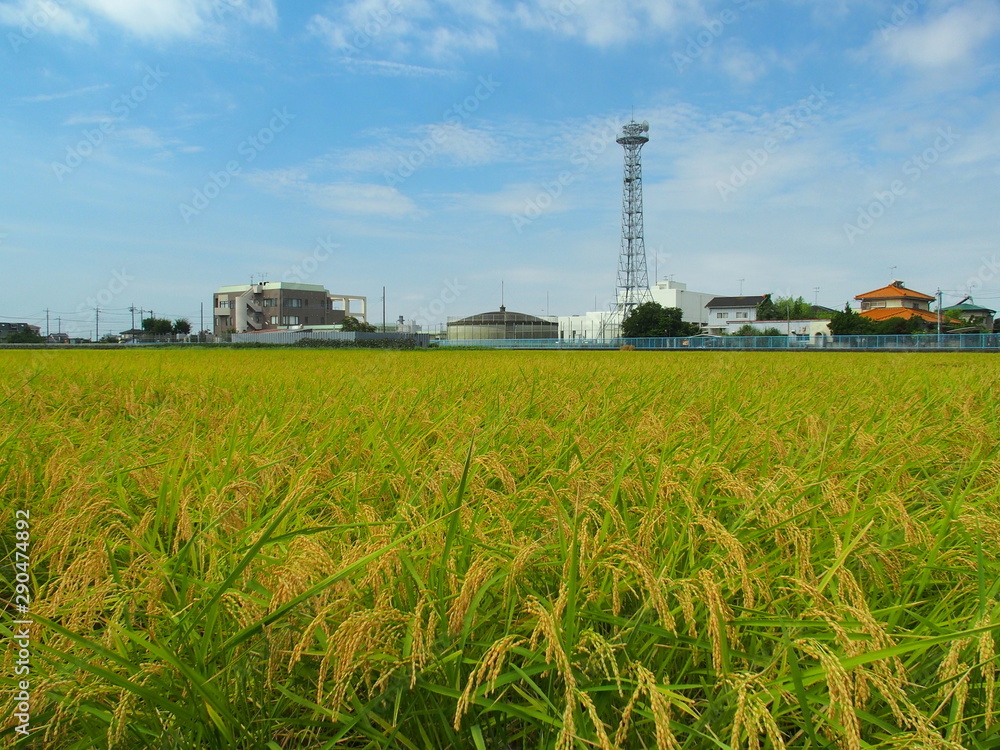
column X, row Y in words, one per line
column 506, row 550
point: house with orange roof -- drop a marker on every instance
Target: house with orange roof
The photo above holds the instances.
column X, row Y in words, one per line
column 896, row 301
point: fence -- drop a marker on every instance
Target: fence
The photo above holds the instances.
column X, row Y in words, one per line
column 918, row 342
column 290, row 337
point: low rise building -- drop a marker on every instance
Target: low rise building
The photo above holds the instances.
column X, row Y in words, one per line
column 693, row 305
column 969, row 312
column 502, row 325
column 725, row 310
column 896, row 301
column 6, row 329
column 272, row 306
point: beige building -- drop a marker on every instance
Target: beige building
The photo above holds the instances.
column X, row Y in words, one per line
column 282, row 305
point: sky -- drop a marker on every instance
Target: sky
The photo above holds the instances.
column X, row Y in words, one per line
column 154, row 150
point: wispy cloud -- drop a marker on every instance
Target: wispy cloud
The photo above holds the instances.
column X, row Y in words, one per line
column 152, row 19
column 63, row 94
column 393, row 69
column 944, row 40
column 345, row 198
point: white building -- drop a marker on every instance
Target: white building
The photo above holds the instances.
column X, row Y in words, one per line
column 810, row 328
column 693, row 305
column 599, row 324
column 725, row 310
column 591, row 325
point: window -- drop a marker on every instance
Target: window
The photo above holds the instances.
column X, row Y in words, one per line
column 722, row 316
column 270, row 301
column 289, row 320
column 293, row 303
column 742, row 314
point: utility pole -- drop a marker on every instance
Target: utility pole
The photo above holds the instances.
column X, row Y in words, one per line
column 59, row 324
column 97, row 324
column 741, row 286
column 939, row 296
column 201, row 326
column 131, row 309
column 46, row 322
column 383, row 309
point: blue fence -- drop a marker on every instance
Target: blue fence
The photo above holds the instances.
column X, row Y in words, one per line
column 921, row 342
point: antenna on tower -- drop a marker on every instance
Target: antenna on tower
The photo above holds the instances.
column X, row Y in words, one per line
column 633, row 279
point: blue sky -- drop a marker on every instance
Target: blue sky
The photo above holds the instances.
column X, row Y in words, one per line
column 154, row 150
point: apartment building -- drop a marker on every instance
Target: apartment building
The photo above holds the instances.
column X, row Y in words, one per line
column 278, row 305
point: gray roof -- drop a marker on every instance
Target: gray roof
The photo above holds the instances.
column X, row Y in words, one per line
column 969, row 307
column 501, row 317
column 736, row 301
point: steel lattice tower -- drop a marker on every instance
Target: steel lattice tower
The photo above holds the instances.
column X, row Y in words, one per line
column 633, row 281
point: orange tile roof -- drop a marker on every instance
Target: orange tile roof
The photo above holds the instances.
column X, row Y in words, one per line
column 895, row 292
column 884, row 313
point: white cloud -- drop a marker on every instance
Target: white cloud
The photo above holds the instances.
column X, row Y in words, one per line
column 609, row 22
column 33, row 17
column 64, row 94
column 448, row 29
column 347, row 198
column 144, row 18
column 392, row 69
column 948, row 39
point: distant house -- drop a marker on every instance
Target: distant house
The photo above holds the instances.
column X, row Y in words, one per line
column 57, row 338
column 896, row 301
column 971, row 313
column 725, row 310
column 6, row 329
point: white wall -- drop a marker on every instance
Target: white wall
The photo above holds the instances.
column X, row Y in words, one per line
column 676, row 294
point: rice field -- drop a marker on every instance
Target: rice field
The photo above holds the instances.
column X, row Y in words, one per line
column 504, row 550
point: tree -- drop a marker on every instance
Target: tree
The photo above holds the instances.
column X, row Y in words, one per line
column 157, row 326
column 650, row 319
column 766, row 309
column 850, row 323
column 25, row 336
column 182, row 326
column 353, row 324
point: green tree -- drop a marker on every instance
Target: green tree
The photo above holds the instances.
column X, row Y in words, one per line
column 850, row 323
column 650, row 319
column 794, row 308
column 25, row 336
column 182, row 326
column 157, row 326
column 353, row 324
column 766, row 309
